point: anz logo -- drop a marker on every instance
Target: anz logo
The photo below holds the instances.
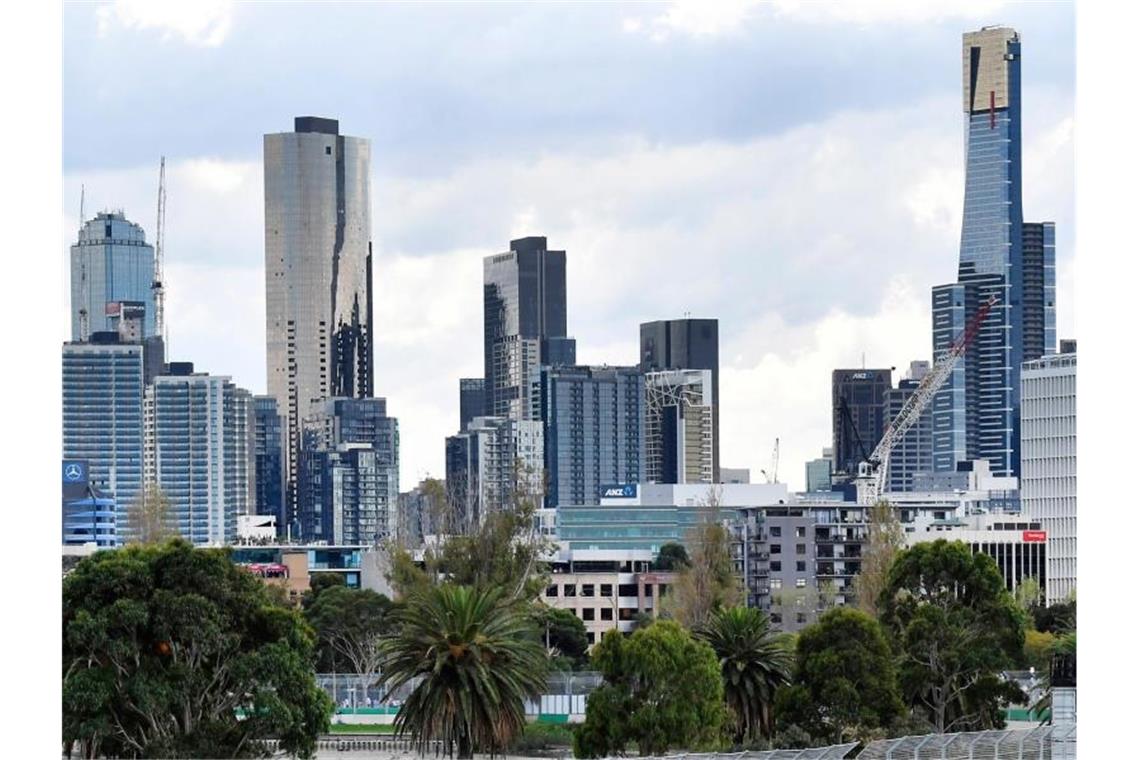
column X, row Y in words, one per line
column 620, row 492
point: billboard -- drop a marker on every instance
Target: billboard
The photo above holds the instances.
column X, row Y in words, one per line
column 74, row 472
column 1033, row 536
column 626, row 491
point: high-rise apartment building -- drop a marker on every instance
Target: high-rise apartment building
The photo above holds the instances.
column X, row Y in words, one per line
column 268, row 457
column 111, row 262
column 914, row 452
column 524, row 323
column 199, row 451
column 88, row 516
column 592, row 430
column 817, row 473
column 103, row 387
column 318, row 272
column 493, row 463
column 858, row 414
column 470, row 400
column 686, row 344
column 1049, row 464
column 679, row 426
column 976, row 414
column 334, row 436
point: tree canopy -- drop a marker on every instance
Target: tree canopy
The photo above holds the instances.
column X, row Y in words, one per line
column 671, row 558
column 955, row 628
column 662, row 689
column 172, row 651
column 350, row 624
column 884, row 542
column 150, row 519
column 709, row 581
column 845, row 686
column 564, row 635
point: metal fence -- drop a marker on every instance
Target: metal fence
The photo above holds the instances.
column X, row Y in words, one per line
column 834, row 752
column 1042, row 743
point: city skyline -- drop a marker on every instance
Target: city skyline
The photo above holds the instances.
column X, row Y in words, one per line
column 775, row 332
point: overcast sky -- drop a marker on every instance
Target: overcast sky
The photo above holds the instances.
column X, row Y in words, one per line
column 792, row 170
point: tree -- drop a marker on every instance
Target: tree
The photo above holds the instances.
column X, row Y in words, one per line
column 671, row 558
column 563, row 633
column 150, row 519
column 1038, row 649
column 710, row 581
column 753, row 665
column 955, row 628
column 662, row 689
column 350, row 624
column 479, row 657
column 1056, row 618
column 1028, row 595
column 884, row 541
column 844, row 686
column 172, row 651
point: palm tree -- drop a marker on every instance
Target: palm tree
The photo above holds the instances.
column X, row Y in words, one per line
column 479, row 657
column 753, row 665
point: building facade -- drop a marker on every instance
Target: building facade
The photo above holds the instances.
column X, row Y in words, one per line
column 269, row 459
column 318, row 271
column 858, row 415
column 88, row 516
column 1049, row 463
column 592, row 421
column 977, row 412
column 110, row 262
column 914, row 452
column 817, row 473
column 686, row 344
column 496, row 461
column 679, row 427
column 524, row 323
column 103, row 389
column 471, row 402
column 199, row 451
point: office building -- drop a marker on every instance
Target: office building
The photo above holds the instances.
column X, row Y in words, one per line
column 858, row 415
column 524, row 323
column 817, row 473
column 686, row 344
column 914, row 452
column 88, row 516
column 492, row 464
column 318, row 271
column 735, row 475
column 470, row 400
column 679, row 427
column 349, row 472
column 110, row 262
column 976, row 414
column 103, row 387
column 199, row 451
column 269, row 459
column 592, row 421
column 1049, row 463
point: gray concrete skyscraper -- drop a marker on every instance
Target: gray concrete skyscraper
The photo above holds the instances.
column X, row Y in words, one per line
column 318, row 272
column 524, row 323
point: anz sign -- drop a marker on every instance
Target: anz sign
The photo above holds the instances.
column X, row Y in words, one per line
column 628, row 491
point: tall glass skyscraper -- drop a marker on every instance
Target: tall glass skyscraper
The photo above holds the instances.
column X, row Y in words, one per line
column 268, row 452
column 976, row 414
column 110, row 263
column 318, row 271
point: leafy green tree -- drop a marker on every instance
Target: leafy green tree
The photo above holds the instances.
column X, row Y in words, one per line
column 662, row 689
column 753, row 665
column 884, row 542
column 172, row 651
column 844, row 686
column 671, row 558
column 1038, row 649
column 1056, row 618
column 955, row 628
column 1028, row 595
column 563, row 634
column 350, row 624
column 479, row 657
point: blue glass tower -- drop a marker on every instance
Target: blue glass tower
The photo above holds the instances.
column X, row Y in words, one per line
column 976, row 414
column 111, row 262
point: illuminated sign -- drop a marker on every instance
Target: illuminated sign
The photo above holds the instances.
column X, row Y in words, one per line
column 627, row 491
column 74, row 472
column 1033, row 536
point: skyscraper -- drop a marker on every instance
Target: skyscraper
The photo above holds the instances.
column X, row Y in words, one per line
column 686, row 344
column 470, row 400
column 592, row 419
column 111, row 262
column 268, row 457
column 914, row 452
column 495, row 461
column 524, row 323
column 103, row 389
column 858, row 414
column 199, row 433
column 679, row 426
column 976, row 414
column 318, row 271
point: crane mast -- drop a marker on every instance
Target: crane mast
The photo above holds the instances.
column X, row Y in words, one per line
column 156, row 286
column 870, row 483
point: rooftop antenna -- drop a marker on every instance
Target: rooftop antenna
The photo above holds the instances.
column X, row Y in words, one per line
column 82, row 189
column 156, row 286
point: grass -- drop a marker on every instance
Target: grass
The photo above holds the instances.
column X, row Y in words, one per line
column 361, row 728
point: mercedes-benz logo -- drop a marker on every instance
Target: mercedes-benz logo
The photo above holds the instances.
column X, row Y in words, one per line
column 73, row 472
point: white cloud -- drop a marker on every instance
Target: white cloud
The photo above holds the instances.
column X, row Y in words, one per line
column 198, row 22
